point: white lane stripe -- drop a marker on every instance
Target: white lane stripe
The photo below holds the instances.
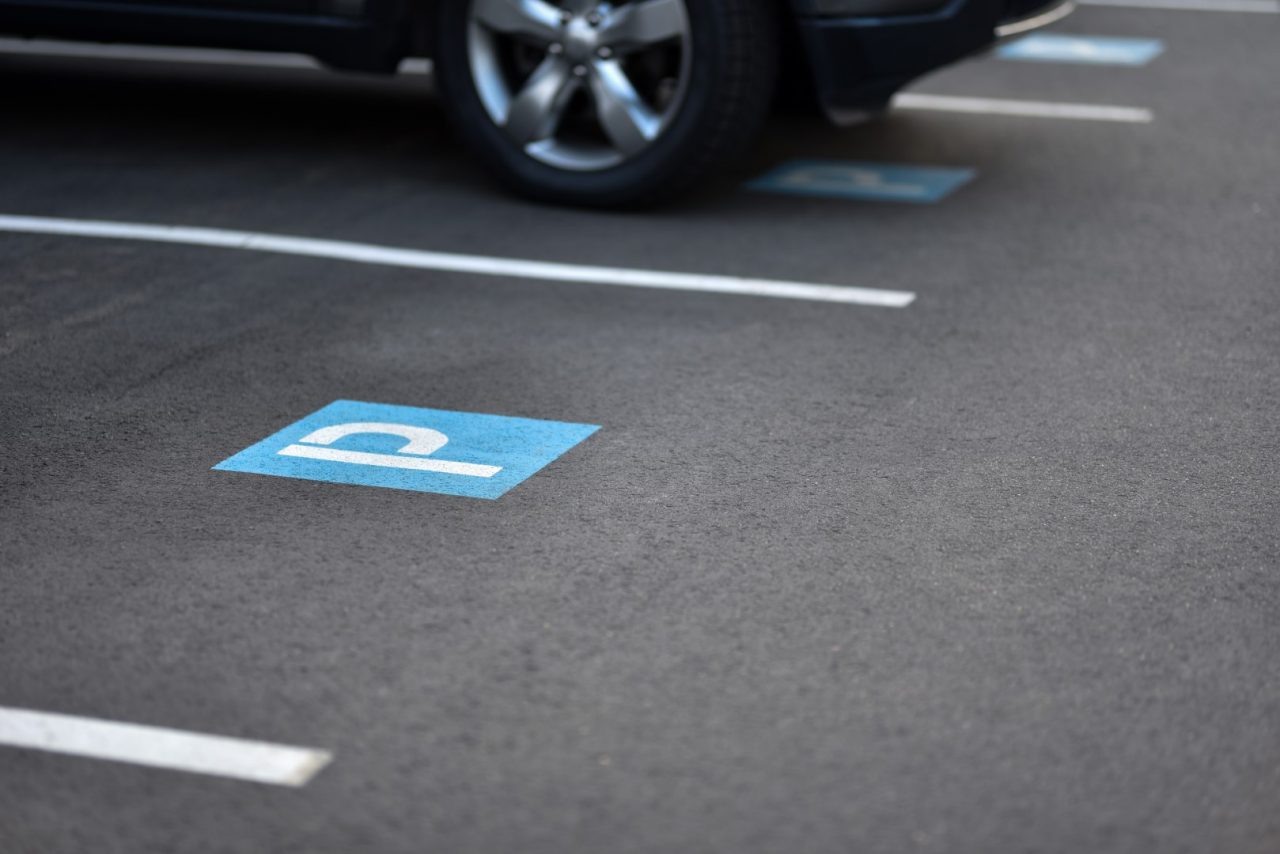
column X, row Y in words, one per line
column 1262, row 7
column 365, row 253
column 158, row 747
column 1033, row 109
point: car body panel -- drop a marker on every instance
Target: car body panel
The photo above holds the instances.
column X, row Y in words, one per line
column 859, row 61
column 853, row 54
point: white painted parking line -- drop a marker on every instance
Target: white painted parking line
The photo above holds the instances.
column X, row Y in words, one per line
column 1261, row 7
column 1031, row 109
column 158, row 747
column 366, row 253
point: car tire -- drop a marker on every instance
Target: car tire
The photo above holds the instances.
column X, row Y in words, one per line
column 727, row 58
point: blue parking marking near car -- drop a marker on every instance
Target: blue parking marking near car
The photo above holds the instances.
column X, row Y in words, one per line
column 404, row 447
column 880, row 182
column 1096, row 50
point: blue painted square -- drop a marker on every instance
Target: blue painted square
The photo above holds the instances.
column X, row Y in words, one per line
column 1093, row 50
column 880, row 182
column 404, row 447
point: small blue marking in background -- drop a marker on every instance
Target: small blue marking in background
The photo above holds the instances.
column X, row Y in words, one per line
column 404, row 447
column 877, row 182
column 1095, row 50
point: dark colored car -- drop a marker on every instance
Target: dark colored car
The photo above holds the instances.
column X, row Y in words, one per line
column 583, row 101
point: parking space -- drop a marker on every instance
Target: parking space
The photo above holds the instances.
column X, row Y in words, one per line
column 855, row 517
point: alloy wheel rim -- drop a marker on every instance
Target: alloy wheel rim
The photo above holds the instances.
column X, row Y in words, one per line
column 583, row 85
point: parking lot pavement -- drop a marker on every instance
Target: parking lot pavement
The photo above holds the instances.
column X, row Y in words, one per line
column 992, row 571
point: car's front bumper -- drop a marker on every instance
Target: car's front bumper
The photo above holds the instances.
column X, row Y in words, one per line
column 862, row 51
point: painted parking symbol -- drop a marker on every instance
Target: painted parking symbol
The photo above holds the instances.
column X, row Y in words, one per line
column 410, row 448
column 881, row 182
column 1090, row 50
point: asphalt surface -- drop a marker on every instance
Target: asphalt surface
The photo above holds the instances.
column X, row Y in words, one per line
column 996, row 572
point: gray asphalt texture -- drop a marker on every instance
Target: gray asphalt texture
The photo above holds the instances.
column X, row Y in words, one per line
column 999, row 572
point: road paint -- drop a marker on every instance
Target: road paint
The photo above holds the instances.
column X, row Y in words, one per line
column 366, row 253
column 421, row 441
column 1030, row 109
column 880, row 182
column 1259, row 7
column 395, row 447
column 159, row 747
column 1087, row 50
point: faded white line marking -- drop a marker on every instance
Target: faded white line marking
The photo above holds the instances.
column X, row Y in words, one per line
column 1031, row 109
column 158, row 747
column 1261, row 7
column 365, row 253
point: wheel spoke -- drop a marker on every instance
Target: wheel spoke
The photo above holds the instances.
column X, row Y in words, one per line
column 625, row 118
column 532, row 19
column 537, row 109
column 644, row 23
column 584, row 52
